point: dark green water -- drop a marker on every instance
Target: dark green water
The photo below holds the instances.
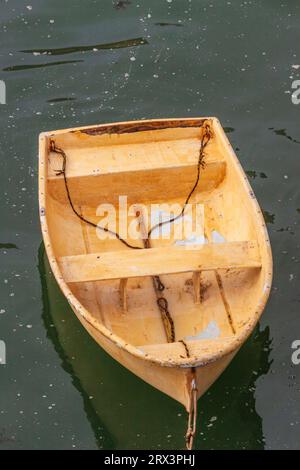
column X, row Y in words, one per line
column 78, row 63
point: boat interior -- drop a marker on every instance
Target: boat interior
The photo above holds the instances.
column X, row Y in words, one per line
column 211, row 269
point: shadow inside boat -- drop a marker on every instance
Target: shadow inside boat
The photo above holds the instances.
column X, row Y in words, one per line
column 126, row 413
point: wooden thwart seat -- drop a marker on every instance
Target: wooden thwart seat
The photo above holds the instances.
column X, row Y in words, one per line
column 139, row 184
column 142, row 166
column 158, row 261
column 173, row 351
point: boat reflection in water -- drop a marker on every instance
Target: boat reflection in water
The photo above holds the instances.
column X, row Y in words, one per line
column 127, row 413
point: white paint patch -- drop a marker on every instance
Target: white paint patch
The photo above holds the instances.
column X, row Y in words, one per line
column 141, row 351
column 216, row 237
column 200, row 240
column 266, row 288
column 212, row 331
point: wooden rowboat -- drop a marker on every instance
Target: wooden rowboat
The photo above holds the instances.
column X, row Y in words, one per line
column 170, row 300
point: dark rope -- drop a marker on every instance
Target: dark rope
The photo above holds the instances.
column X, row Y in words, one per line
column 159, row 284
column 204, row 141
column 164, row 308
column 185, row 347
column 63, row 172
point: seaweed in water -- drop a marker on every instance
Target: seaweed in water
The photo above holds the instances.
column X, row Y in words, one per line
column 121, row 4
column 283, row 133
column 60, row 100
column 286, row 229
column 253, row 174
column 4, row 438
column 269, row 218
column 8, row 246
column 228, row 130
column 164, row 23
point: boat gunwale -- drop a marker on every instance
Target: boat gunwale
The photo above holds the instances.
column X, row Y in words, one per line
column 238, row 339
